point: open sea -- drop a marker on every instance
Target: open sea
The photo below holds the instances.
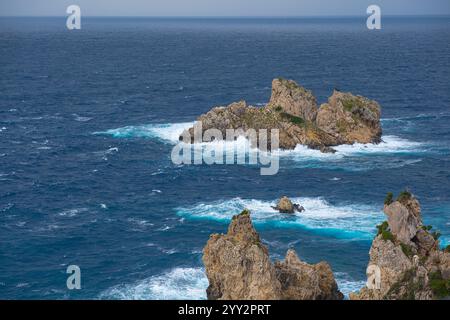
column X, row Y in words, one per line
column 88, row 119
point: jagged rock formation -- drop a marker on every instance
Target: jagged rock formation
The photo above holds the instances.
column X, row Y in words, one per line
column 407, row 255
column 238, row 267
column 285, row 205
column 293, row 110
column 302, row 281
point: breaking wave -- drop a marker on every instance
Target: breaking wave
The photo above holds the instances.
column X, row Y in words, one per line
column 189, row 284
column 168, row 132
column 176, row 284
column 339, row 221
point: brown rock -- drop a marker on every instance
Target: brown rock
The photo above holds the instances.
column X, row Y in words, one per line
column 293, row 111
column 402, row 222
column 293, row 99
column 302, row 281
column 349, row 119
column 237, row 265
column 285, row 205
column 408, row 259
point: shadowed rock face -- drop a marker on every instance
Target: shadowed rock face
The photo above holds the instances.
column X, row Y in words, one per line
column 238, row 267
column 293, row 110
column 302, row 281
column 408, row 256
column 293, row 99
column 350, row 118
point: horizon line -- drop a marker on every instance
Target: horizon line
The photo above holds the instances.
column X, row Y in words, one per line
column 230, row 17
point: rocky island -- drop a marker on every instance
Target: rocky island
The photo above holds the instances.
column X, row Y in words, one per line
column 406, row 253
column 293, row 110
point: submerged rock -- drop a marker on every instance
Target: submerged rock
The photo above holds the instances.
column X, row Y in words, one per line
column 408, row 257
column 238, row 266
column 293, row 110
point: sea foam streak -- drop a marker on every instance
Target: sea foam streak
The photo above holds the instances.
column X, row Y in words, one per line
column 344, row 221
column 176, row 284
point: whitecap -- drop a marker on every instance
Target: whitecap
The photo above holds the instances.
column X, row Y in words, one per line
column 165, row 228
column 169, row 132
column 140, row 222
column 176, row 284
column 80, row 118
column 72, row 212
column 346, row 221
column 190, row 284
column 111, row 150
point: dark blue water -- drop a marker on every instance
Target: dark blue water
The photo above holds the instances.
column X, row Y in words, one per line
column 87, row 120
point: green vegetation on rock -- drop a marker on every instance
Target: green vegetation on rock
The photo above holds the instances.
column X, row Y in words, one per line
column 407, row 250
column 389, row 198
column 440, row 286
column 386, row 234
column 294, row 119
column 404, row 196
column 409, row 285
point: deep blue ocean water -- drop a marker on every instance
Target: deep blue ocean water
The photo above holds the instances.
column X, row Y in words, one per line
column 88, row 119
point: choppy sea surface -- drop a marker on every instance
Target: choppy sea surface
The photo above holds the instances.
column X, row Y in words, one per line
column 88, row 119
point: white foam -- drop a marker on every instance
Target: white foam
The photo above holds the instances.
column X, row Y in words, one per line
column 176, row 284
column 190, row 284
column 343, row 221
column 347, row 285
column 167, row 132
column 390, row 144
column 72, row 212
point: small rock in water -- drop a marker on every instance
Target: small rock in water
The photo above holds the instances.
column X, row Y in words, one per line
column 285, row 205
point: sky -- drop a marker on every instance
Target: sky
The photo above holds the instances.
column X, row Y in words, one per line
column 222, row 7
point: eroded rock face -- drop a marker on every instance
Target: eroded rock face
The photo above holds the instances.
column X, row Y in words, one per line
column 302, row 281
column 349, row 118
column 403, row 223
column 292, row 110
column 293, row 99
column 408, row 257
column 238, row 266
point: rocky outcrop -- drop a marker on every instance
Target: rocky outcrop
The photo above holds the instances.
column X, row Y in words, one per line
column 238, row 267
column 302, row 281
column 407, row 255
column 293, row 99
column 285, row 205
column 350, row 118
column 293, row 110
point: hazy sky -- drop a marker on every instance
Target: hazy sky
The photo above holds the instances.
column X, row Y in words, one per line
column 222, row 7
